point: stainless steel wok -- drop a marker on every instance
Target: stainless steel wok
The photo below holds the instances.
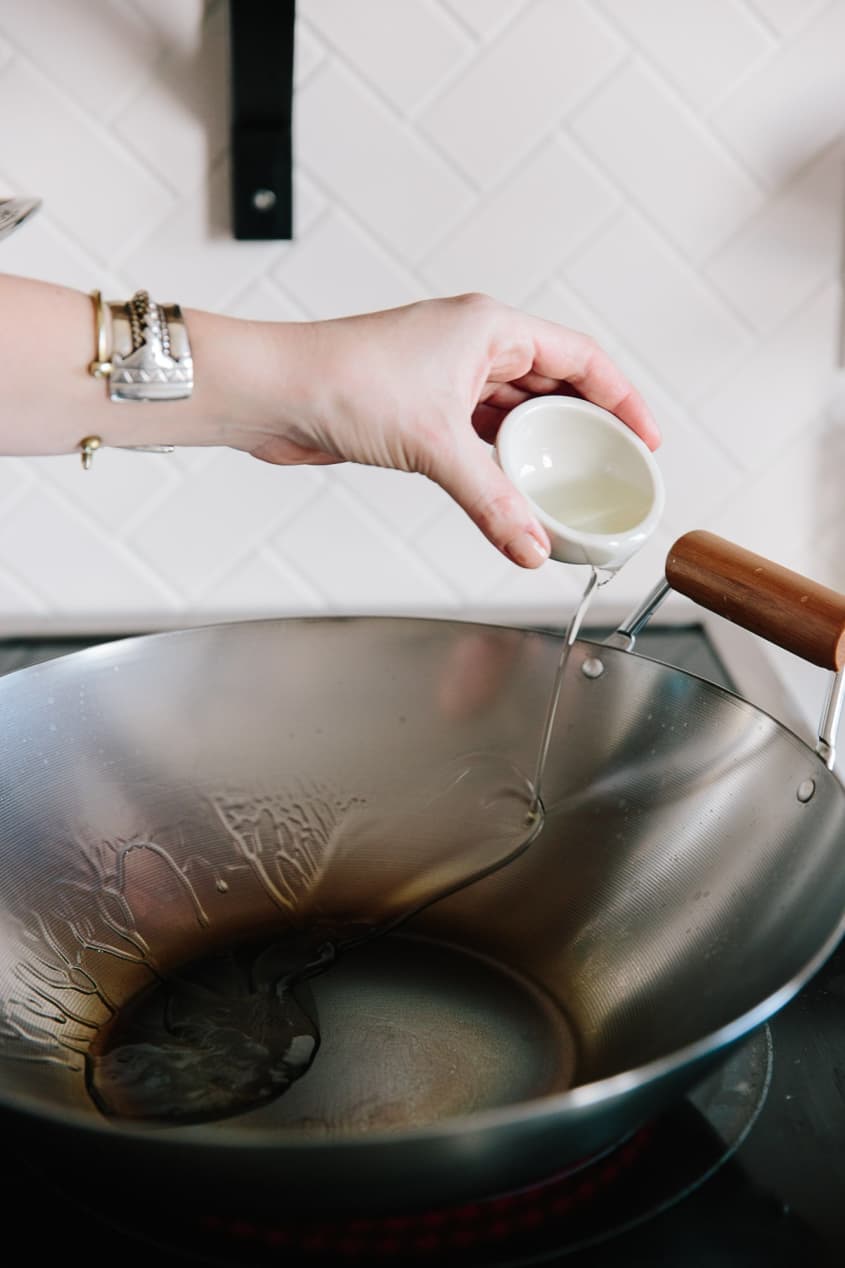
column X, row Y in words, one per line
column 164, row 797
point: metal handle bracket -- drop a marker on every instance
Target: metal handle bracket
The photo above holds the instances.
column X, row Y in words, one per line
column 261, row 35
column 829, row 725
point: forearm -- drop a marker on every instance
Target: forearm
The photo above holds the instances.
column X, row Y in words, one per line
column 50, row 401
column 419, row 388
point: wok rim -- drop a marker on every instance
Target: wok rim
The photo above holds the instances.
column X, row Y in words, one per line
column 556, row 1106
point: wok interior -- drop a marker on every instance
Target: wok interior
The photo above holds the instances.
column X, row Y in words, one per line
column 167, row 796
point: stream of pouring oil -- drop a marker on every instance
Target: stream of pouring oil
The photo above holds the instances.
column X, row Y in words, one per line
column 232, row 1031
column 572, row 631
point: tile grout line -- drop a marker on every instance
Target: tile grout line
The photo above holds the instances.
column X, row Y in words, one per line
column 103, row 131
column 73, row 508
column 686, row 410
column 261, row 540
column 484, row 41
column 674, row 247
column 770, row 335
column 800, row 174
column 366, row 230
column 404, row 547
column 372, row 91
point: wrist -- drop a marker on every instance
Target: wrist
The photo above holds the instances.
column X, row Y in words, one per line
column 251, row 380
column 246, row 376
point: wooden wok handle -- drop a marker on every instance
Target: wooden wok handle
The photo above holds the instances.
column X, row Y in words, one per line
column 782, row 606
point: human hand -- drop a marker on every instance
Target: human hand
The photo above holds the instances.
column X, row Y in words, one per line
column 422, row 388
column 419, row 388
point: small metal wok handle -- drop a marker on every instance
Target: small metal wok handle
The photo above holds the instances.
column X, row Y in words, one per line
column 781, row 606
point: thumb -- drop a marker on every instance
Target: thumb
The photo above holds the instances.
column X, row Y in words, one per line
column 477, row 483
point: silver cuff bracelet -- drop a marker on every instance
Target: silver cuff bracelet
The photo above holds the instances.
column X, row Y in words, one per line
column 143, row 350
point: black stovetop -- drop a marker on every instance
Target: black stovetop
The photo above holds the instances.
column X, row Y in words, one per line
column 778, row 1201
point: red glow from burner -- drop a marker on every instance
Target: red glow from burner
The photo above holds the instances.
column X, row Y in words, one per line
column 442, row 1229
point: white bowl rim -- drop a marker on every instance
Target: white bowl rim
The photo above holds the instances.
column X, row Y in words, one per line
column 504, row 447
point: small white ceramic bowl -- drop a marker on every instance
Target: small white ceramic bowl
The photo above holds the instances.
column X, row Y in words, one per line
column 594, row 485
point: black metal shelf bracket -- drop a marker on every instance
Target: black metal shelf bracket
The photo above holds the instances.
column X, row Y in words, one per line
column 261, row 48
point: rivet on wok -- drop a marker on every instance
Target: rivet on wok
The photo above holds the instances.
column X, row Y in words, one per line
column 806, row 789
column 592, row 668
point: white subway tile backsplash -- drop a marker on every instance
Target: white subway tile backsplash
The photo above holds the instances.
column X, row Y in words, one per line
column 555, row 301
column 309, row 202
column 170, row 262
column 178, row 124
column 783, row 254
column 550, row 591
column 519, row 87
column 517, row 236
column 666, row 161
column 264, row 300
column 824, row 552
column 337, row 269
column 666, row 177
column 260, row 584
column 697, row 468
column 405, row 49
column 793, row 105
column 178, row 27
column 114, row 50
column 202, row 527
column 485, row 17
column 670, row 319
column 781, row 387
column 702, row 49
column 789, row 508
column 308, row 53
column 14, row 481
column 42, row 249
column 94, row 189
column 459, row 552
column 352, row 558
column 363, row 156
column 787, row 16
column 698, row 471
column 404, row 501
column 73, row 566
column 120, row 486
column 17, row 598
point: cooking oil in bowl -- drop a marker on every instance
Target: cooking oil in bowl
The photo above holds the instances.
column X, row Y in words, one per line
column 599, row 503
column 595, row 486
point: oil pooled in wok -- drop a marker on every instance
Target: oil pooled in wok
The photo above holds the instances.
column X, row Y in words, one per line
column 231, row 1031
column 234, row 1030
column 222, row 1036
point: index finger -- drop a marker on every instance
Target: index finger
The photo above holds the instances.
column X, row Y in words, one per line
column 573, row 357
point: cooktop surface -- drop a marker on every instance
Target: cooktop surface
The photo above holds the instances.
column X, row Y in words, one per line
column 747, row 1170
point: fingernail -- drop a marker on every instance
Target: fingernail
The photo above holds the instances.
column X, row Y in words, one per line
column 526, row 550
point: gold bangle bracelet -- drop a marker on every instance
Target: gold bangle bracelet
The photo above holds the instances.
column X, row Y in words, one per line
column 101, row 366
